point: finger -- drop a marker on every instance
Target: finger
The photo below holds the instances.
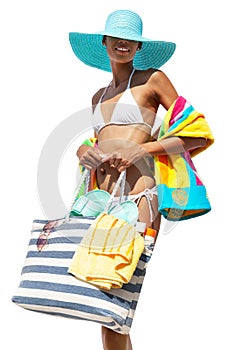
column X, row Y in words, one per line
column 89, row 163
column 91, row 158
column 112, row 159
column 115, row 163
column 122, row 166
column 105, row 157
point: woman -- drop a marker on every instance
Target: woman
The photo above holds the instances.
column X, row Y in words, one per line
column 124, row 114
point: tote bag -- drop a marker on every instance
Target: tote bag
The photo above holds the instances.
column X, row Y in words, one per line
column 47, row 287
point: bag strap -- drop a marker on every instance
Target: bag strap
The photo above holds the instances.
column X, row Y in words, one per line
column 84, row 180
column 121, row 182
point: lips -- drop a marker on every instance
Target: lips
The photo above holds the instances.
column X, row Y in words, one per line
column 122, row 49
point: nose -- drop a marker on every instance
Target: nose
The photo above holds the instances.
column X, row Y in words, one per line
column 123, row 41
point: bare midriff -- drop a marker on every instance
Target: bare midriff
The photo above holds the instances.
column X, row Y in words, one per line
column 113, row 137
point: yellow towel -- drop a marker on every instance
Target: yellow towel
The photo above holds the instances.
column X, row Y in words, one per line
column 108, row 254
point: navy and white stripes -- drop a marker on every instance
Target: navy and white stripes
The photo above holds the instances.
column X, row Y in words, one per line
column 47, row 287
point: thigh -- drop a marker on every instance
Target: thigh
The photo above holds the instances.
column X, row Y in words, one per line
column 145, row 212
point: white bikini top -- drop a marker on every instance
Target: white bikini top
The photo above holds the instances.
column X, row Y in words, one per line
column 126, row 110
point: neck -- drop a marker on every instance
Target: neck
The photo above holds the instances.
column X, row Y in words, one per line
column 121, row 73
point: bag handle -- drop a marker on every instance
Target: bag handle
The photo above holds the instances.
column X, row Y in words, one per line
column 121, row 182
column 85, row 179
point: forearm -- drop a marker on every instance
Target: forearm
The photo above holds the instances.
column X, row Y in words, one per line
column 173, row 145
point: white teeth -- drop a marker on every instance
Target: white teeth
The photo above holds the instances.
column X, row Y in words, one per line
column 122, row 49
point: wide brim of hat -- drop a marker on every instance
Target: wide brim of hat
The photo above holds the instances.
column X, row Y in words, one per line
column 89, row 49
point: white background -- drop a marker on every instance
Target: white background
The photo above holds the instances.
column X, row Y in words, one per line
column 183, row 304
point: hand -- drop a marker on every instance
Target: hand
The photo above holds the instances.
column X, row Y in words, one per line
column 124, row 158
column 92, row 158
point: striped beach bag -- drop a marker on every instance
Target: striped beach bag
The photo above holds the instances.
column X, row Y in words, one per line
column 46, row 286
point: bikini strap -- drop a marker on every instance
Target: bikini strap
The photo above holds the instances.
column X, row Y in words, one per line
column 129, row 80
column 148, row 193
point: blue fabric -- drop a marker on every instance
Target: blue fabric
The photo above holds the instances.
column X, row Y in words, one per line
column 185, row 202
column 197, row 198
column 123, row 24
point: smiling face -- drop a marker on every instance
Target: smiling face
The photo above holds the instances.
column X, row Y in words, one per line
column 121, row 50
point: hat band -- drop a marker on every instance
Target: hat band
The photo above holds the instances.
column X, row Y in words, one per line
column 122, row 33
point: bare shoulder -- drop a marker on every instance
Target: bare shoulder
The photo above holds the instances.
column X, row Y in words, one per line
column 159, row 77
column 96, row 97
column 152, row 77
column 163, row 88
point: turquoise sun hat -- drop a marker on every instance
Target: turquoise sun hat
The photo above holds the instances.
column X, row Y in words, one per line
column 124, row 24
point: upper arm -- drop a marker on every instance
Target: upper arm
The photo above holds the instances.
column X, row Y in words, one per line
column 164, row 90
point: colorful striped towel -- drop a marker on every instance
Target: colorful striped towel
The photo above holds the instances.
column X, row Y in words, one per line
column 181, row 193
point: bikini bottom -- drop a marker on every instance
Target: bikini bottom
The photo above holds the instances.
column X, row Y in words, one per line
column 148, row 193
